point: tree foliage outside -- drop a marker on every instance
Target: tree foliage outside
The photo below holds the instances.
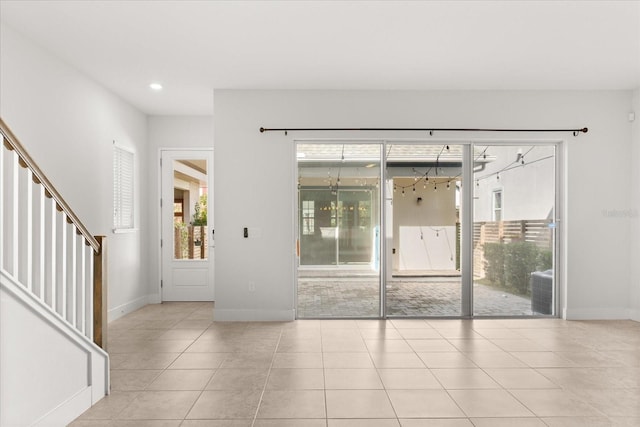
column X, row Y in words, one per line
column 200, row 211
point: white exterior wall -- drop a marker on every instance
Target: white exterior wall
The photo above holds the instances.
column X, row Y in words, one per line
column 414, row 226
column 169, row 132
column 527, row 192
column 634, row 211
column 68, row 124
column 598, row 175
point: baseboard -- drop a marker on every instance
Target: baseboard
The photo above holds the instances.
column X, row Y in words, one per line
column 597, row 313
column 258, row 315
column 635, row 314
column 67, row 411
column 124, row 309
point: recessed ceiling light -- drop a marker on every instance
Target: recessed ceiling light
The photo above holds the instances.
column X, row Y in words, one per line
column 155, row 86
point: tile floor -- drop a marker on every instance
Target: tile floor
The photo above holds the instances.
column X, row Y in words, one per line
column 171, row 365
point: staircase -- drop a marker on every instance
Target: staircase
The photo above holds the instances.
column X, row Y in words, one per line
column 53, row 363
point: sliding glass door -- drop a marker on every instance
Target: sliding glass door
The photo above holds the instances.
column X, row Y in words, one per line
column 423, row 219
column 425, row 229
column 339, row 219
column 514, row 227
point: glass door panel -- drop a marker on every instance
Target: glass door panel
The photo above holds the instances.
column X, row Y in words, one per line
column 423, row 207
column 338, row 229
column 513, row 230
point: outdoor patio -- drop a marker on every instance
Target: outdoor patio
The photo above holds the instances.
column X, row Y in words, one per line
column 411, row 296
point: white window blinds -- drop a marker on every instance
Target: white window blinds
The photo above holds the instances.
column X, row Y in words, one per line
column 122, row 189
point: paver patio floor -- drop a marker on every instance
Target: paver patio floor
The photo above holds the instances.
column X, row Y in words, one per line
column 437, row 297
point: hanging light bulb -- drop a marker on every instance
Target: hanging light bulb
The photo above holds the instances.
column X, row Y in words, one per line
column 403, row 192
column 435, row 187
column 498, row 177
column 424, row 186
column 447, row 148
column 448, row 185
column 395, row 188
column 477, row 183
column 414, row 189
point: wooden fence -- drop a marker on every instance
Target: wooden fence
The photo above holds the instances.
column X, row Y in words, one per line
column 191, row 242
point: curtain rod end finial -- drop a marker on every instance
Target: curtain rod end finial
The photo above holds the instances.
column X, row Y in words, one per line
column 261, row 130
column 585, row 130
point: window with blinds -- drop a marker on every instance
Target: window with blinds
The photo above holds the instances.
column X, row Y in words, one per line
column 122, row 189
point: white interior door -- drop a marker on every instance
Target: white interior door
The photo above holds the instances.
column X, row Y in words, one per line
column 187, row 225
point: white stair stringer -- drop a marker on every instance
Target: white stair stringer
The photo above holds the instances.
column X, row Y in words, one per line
column 50, row 373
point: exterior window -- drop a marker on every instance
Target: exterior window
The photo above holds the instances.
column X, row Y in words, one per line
column 122, row 189
column 497, row 205
column 308, row 217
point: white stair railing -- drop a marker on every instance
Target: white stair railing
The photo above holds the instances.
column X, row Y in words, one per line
column 45, row 247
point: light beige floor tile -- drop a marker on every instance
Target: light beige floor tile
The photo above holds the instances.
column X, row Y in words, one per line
column 144, row 360
column 508, row 422
column 225, row 404
column 247, row 361
column 181, row 334
column 159, row 405
column 590, row 359
column 521, row 344
column 419, row 334
column 109, row 406
column 193, row 324
column 198, row 361
column 295, row 345
column 409, row 323
column 495, row 359
column 176, row 379
column 552, row 403
column 292, row 404
column 424, row 404
column 340, row 334
column 295, row 379
column 543, row 359
column 331, row 345
column 579, row 422
column 381, row 334
column 468, row 346
column 358, row 404
column 459, row 333
column 502, row 333
column 436, row 422
column 216, row 423
column 347, row 360
column 408, row 379
column 238, row 379
column 396, row 360
column 464, row 378
column 145, row 423
column 297, row 360
column 132, row 380
column 291, row 423
column 352, row 379
column 489, row 403
column 514, row 378
column 362, row 423
column 338, row 324
column 446, row 360
column 428, row 345
column 622, row 402
column 388, row 346
column 93, row 423
column 625, row 421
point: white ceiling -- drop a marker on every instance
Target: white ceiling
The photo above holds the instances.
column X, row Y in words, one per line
column 193, row 47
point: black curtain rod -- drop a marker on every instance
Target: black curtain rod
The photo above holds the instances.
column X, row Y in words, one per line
column 575, row 132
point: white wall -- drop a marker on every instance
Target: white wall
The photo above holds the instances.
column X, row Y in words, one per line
column 634, row 212
column 598, row 172
column 528, row 192
column 168, row 132
column 68, row 124
column 418, row 246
